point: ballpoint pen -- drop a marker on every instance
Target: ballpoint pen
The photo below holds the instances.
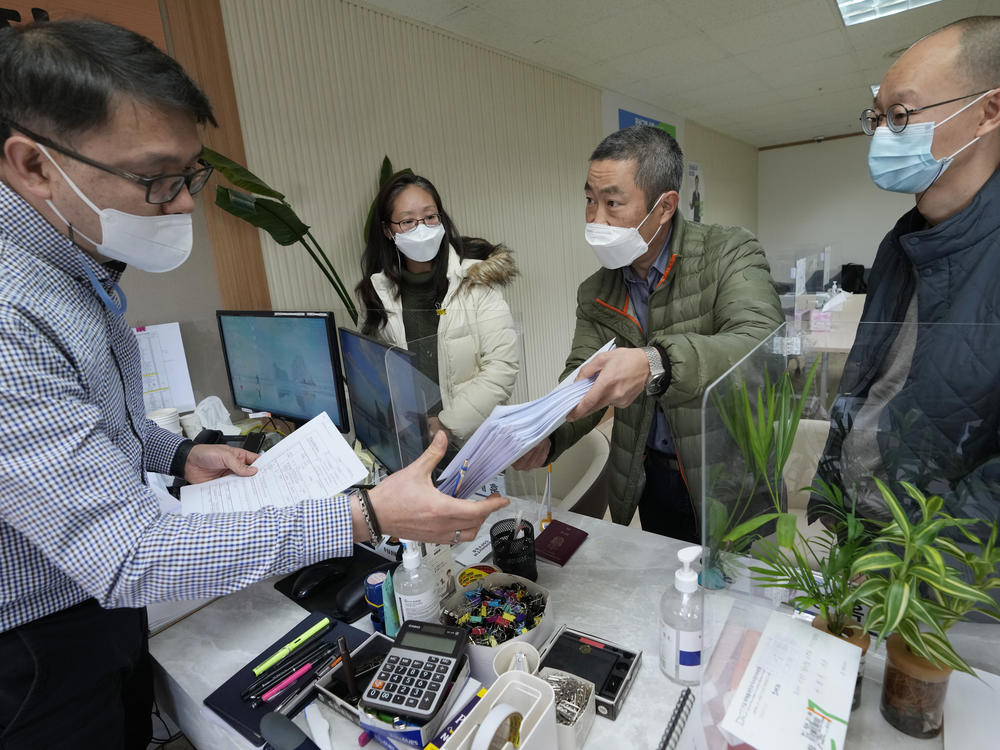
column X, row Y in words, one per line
column 308, row 682
column 548, row 499
column 286, row 683
column 285, row 650
column 272, row 677
column 461, row 476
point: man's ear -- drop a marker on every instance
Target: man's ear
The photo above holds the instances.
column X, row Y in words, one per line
column 667, row 205
column 26, row 168
column 990, row 120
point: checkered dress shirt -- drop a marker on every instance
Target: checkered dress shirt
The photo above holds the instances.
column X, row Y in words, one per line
column 77, row 520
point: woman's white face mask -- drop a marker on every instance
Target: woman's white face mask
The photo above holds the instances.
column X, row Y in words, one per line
column 420, row 244
column 150, row 243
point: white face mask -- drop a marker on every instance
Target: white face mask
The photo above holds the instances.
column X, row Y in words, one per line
column 617, row 247
column 149, row 243
column 420, row 244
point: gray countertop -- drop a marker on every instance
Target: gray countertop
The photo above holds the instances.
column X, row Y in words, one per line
column 611, row 588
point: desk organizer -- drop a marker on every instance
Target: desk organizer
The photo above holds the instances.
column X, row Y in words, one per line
column 574, row 736
column 529, row 696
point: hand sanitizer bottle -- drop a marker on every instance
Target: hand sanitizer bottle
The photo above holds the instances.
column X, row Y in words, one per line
column 680, row 623
column 415, row 586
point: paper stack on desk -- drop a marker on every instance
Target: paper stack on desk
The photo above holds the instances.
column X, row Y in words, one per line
column 511, row 431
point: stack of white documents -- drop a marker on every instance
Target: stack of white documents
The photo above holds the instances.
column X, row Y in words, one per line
column 511, row 431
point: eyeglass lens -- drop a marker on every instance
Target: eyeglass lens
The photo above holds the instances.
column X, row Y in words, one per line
column 407, row 224
column 165, row 189
column 896, row 118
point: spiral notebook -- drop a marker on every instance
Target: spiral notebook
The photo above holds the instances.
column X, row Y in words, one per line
column 678, row 720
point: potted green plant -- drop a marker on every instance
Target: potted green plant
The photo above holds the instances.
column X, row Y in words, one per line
column 919, row 582
column 818, row 570
column 762, row 426
column 259, row 204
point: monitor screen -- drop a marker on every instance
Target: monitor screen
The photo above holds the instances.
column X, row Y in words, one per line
column 372, row 399
column 285, row 363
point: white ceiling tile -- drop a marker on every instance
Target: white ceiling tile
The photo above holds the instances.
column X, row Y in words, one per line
column 635, row 29
column 775, row 28
column 707, row 13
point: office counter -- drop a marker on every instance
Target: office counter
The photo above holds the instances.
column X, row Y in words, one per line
column 611, row 587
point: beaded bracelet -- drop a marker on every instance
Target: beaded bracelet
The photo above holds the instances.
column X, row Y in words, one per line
column 371, row 520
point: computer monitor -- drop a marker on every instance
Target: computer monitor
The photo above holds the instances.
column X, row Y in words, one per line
column 372, row 398
column 284, row 363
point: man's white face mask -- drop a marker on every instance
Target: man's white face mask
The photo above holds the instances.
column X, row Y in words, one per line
column 617, row 247
column 150, row 243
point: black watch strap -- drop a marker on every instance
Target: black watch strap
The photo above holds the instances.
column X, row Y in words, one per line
column 180, row 458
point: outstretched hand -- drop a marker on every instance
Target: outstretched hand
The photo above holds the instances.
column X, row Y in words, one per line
column 621, row 375
column 410, row 507
column 207, row 462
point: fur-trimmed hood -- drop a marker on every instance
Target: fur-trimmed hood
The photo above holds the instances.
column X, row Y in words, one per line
column 499, row 269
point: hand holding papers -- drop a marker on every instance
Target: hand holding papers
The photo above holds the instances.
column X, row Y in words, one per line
column 313, row 462
column 510, row 432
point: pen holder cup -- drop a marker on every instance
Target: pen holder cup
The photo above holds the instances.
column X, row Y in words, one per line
column 514, row 549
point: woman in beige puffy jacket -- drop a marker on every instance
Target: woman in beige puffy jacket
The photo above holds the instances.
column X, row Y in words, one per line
column 437, row 293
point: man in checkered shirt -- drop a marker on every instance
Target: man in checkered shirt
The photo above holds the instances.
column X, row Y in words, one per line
column 101, row 146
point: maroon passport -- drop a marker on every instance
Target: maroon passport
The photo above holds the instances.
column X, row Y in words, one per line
column 558, row 542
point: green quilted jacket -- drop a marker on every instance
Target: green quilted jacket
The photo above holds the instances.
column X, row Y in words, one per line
column 713, row 305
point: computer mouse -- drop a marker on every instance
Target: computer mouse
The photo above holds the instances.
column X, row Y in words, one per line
column 313, row 577
column 350, row 599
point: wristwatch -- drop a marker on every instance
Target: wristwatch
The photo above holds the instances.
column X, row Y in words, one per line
column 657, row 382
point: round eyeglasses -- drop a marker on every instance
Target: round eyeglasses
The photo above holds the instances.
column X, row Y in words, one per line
column 161, row 189
column 897, row 116
column 431, row 220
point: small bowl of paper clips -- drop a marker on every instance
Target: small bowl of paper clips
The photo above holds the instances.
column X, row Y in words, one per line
column 495, row 610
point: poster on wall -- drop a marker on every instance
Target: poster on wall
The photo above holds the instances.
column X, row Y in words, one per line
column 693, row 192
column 627, row 119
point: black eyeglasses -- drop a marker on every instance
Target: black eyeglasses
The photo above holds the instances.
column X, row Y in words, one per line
column 431, row 220
column 897, row 116
column 162, row 189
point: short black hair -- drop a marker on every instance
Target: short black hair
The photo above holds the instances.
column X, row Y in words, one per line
column 659, row 159
column 61, row 78
column 979, row 53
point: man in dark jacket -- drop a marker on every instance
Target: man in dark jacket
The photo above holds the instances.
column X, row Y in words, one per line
column 921, row 386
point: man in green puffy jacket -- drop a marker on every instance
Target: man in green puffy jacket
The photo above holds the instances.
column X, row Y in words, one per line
column 684, row 302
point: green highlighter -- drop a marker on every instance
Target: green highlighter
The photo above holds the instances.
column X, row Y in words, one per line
column 288, row 648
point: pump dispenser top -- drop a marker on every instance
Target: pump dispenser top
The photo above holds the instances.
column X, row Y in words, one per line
column 411, row 555
column 686, row 579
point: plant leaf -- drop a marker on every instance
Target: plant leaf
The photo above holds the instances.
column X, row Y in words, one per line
column 880, row 560
column 277, row 219
column 896, row 599
column 239, row 175
column 898, row 514
column 741, row 530
column 786, row 529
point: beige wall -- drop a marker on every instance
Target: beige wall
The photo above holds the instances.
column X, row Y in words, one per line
column 820, row 194
column 326, row 88
column 729, row 174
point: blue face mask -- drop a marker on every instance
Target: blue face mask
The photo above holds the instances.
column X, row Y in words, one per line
column 903, row 162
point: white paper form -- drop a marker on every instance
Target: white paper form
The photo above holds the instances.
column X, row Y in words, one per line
column 166, row 381
column 314, row 461
column 797, row 690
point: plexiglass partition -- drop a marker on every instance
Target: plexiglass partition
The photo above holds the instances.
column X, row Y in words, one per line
column 915, row 405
